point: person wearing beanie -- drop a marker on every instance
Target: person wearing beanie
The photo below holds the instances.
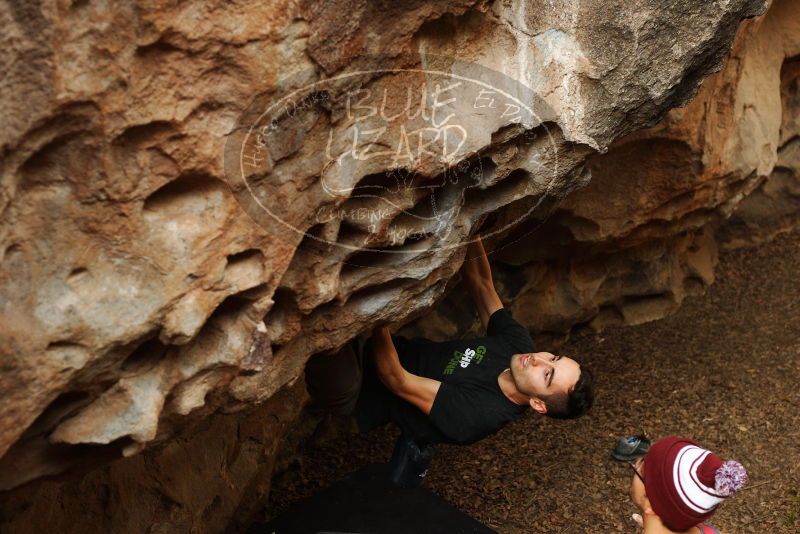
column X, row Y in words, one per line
column 678, row 486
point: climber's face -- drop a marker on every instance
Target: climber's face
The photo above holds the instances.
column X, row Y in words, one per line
column 543, row 376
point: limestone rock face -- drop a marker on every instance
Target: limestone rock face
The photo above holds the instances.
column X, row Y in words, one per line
column 775, row 205
column 644, row 233
column 173, row 247
column 213, row 477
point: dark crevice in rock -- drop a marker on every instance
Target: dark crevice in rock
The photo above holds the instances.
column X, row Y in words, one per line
column 178, row 194
column 147, row 355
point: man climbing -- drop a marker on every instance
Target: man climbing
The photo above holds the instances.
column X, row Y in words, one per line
column 453, row 391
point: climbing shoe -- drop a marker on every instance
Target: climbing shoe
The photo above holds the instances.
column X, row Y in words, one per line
column 409, row 463
column 629, row 448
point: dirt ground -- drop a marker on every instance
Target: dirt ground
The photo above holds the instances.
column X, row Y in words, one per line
column 724, row 370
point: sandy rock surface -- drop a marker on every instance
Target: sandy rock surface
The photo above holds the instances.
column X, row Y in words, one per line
column 645, row 232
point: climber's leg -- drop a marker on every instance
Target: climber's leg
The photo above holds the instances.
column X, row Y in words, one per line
column 410, row 462
column 334, row 379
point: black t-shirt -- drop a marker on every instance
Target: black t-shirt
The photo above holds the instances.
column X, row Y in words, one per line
column 470, row 404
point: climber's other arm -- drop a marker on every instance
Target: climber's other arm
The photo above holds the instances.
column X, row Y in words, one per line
column 418, row 390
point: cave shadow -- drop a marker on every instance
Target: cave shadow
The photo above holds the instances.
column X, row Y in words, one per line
column 367, row 501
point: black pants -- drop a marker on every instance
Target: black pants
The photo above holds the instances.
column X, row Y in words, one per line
column 334, row 380
column 346, row 383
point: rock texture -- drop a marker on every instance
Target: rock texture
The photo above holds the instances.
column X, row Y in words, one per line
column 627, row 248
column 212, row 477
column 775, row 206
column 133, row 284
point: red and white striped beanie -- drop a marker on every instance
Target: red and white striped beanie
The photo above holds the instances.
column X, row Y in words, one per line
column 685, row 483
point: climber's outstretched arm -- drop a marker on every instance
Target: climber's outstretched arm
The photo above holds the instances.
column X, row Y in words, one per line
column 477, row 276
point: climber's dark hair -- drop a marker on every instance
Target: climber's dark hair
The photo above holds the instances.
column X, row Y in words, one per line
column 574, row 404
